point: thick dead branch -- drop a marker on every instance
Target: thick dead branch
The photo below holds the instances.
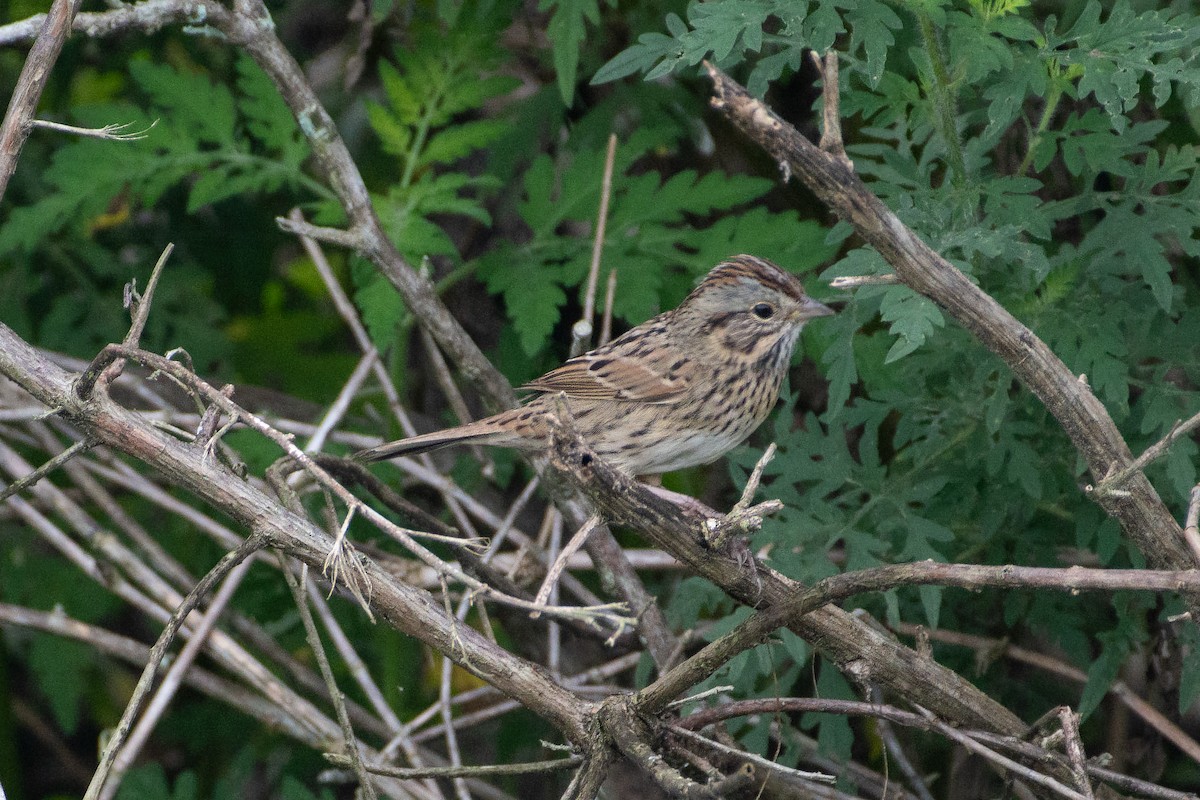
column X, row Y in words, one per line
column 856, row 648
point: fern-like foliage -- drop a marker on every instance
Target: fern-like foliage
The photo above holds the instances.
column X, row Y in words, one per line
column 651, row 239
column 224, row 145
column 432, row 88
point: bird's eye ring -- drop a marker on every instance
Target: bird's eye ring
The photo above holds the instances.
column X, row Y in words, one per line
column 764, row 311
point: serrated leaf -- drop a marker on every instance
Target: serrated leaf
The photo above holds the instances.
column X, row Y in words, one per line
column 205, row 109
column 871, row 25
column 460, row 140
column 267, row 116
column 401, row 99
column 395, row 136
column 380, row 305
column 912, row 317
column 635, row 58
column 212, row 185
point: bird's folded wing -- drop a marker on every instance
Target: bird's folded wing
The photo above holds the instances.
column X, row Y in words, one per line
column 648, row 378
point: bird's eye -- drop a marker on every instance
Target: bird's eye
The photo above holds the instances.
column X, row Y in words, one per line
column 764, row 310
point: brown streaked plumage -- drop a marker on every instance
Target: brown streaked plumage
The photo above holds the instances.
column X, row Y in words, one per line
column 681, row 389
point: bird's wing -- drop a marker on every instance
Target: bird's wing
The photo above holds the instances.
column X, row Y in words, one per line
column 646, row 378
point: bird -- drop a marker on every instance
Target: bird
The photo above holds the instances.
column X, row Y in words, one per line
column 679, row 390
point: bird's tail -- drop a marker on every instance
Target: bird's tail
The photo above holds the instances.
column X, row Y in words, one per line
column 474, row 433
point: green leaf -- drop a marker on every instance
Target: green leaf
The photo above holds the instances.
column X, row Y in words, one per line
column 380, row 304
column 267, row 116
column 566, row 32
column 212, row 185
column 871, row 24
column 145, row 782
column 650, row 49
column 1115, row 54
column 833, row 730
column 460, row 140
column 197, row 105
column 394, row 135
column 912, row 317
column 61, row 668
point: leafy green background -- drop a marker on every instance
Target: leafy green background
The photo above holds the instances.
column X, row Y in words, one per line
column 1048, row 150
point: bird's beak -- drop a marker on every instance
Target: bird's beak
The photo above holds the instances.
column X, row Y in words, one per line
column 810, row 309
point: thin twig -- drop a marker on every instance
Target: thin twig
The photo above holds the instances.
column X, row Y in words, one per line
column 553, row 631
column 816, row 777
column 1113, row 483
column 341, row 404
column 610, row 295
column 113, row 132
column 560, row 563
column 299, row 587
column 614, row 614
column 1075, row 752
column 581, row 331
column 1191, row 528
column 445, row 689
column 354, row 662
column 744, row 518
column 1146, row 712
column 855, row 281
column 1026, row 750
column 80, row 447
column 831, row 116
column 349, row 314
column 345, row 238
column 139, row 310
column 1007, row 763
column 407, row 773
column 896, row 751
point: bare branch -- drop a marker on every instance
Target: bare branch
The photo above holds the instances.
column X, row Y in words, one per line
column 18, row 120
column 80, row 447
column 855, row 281
column 551, row 765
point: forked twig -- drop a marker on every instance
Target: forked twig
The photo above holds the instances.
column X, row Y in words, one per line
column 34, row 75
column 1113, row 483
column 560, row 563
column 743, row 517
column 1003, row 761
